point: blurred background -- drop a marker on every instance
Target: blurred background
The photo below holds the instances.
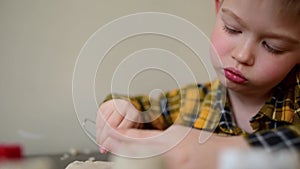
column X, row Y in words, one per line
column 40, row 41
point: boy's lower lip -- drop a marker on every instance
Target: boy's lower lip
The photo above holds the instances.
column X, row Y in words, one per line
column 234, row 76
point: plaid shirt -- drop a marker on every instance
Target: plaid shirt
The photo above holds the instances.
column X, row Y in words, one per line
column 206, row 107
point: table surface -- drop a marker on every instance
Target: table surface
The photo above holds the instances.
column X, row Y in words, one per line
column 61, row 161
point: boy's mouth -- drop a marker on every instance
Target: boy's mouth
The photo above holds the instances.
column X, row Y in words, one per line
column 235, row 75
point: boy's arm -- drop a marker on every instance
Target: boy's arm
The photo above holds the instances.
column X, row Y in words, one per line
column 163, row 112
column 149, row 108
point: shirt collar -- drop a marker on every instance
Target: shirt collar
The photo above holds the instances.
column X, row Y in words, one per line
column 278, row 110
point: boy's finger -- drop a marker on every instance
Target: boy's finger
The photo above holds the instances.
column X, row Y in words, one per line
column 131, row 120
column 102, row 117
column 112, row 145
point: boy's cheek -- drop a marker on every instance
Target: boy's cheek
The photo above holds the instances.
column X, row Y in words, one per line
column 220, row 44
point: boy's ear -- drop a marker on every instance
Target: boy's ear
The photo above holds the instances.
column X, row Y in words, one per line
column 218, row 4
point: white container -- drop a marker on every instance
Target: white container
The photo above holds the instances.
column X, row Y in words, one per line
column 258, row 159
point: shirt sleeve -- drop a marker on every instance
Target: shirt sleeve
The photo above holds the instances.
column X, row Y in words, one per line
column 155, row 111
column 169, row 108
column 282, row 138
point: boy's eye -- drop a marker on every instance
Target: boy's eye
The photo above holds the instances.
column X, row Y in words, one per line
column 271, row 49
column 231, row 30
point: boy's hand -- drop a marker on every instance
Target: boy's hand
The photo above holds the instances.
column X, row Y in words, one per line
column 115, row 114
column 178, row 146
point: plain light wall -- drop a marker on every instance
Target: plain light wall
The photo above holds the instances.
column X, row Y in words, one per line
column 40, row 41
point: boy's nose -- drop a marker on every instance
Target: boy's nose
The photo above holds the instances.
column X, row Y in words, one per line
column 244, row 53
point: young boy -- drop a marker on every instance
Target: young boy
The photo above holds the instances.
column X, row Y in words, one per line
column 257, row 44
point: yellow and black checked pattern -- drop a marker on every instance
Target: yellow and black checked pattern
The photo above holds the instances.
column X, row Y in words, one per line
column 207, row 107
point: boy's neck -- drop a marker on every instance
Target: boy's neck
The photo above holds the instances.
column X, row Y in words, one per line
column 245, row 106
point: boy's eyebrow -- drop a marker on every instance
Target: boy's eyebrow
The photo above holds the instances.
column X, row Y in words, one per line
column 273, row 35
column 283, row 37
column 238, row 19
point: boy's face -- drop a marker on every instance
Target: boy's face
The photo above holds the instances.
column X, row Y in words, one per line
column 256, row 44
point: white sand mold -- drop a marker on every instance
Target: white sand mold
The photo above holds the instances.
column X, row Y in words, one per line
column 90, row 165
